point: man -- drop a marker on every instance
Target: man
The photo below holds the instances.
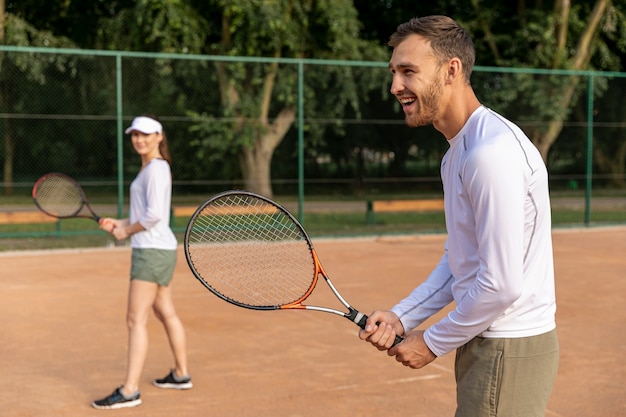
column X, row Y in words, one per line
column 497, row 265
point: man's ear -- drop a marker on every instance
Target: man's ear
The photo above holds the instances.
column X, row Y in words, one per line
column 454, row 71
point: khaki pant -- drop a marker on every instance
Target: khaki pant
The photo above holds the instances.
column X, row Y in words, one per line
column 510, row 377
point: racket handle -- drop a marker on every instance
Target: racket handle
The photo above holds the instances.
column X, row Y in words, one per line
column 361, row 323
column 397, row 340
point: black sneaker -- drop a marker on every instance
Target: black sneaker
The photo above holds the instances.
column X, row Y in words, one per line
column 172, row 381
column 117, row 400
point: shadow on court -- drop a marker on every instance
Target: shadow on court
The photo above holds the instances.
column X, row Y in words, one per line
column 63, row 337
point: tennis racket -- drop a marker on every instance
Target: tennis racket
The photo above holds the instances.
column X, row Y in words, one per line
column 62, row 197
column 251, row 252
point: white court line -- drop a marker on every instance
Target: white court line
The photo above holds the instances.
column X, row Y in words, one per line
column 393, row 381
column 413, row 379
column 440, row 367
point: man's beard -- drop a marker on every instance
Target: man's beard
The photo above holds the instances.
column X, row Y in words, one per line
column 428, row 107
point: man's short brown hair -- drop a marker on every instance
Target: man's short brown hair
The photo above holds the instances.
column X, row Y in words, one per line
column 447, row 39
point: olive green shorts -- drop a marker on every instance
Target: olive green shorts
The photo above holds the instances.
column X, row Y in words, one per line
column 153, row 265
column 510, row 377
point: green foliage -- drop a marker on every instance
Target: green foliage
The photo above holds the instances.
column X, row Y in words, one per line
column 73, row 19
column 286, row 29
column 20, row 33
column 205, row 127
column 154, row 26
column 507, row 36
column 228, row 114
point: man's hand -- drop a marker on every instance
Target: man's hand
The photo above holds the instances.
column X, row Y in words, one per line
column 381, row 329
column 413, row 351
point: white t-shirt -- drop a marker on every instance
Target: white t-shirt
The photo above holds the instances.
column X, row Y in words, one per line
column 150, row 201
column 498, row 263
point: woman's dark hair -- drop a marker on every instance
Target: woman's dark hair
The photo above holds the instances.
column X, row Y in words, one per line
column 164, row 148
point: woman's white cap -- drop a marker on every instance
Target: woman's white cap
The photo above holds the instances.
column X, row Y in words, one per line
column 145, row 125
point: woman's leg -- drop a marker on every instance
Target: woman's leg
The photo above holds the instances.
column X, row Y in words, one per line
column 166, row 313
column 141, row 296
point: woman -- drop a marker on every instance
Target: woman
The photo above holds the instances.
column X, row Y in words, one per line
column 152, row 265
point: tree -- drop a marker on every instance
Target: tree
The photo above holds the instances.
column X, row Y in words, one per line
column 258, row 101
column 16, row 31
column 261, row 99
column 243, row 111
column 563, row 36
column 77, row 20
column 559, row 34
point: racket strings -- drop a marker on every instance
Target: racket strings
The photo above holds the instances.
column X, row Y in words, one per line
column 251, row 252
column 59, row 196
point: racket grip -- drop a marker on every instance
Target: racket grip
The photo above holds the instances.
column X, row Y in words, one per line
column 398, row 340
column 363, row 321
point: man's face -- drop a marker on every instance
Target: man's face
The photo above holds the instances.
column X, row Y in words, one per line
column 417, row 82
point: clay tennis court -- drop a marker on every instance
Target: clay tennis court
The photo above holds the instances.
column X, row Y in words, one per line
column 63, row 337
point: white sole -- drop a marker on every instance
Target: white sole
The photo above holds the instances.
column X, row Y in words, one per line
column 126, row 404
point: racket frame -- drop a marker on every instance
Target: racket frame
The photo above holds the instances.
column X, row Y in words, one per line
column 84, row 203
column 352, row 314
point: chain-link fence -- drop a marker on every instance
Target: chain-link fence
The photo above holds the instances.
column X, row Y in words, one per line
column 65, row 111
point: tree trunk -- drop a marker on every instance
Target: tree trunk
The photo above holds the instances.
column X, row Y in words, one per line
column 580, row 60
column 9, row 143
column 256, row 162
column 9, row 151
column 545, row 139
column 2, row 12
column 9, row 146
column 256, row 167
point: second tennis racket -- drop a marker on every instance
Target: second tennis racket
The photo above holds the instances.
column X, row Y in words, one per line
column 251, row 252
column 60, row 196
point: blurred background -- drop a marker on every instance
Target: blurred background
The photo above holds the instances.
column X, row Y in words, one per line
column 290, row 99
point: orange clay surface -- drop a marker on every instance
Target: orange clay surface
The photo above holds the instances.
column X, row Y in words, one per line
column 63, row 337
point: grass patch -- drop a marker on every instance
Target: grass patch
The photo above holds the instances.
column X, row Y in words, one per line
column 79, row 233
column 564, row 217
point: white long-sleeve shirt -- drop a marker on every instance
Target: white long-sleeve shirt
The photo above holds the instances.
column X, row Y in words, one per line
column 498, row 264
column 150, row 201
